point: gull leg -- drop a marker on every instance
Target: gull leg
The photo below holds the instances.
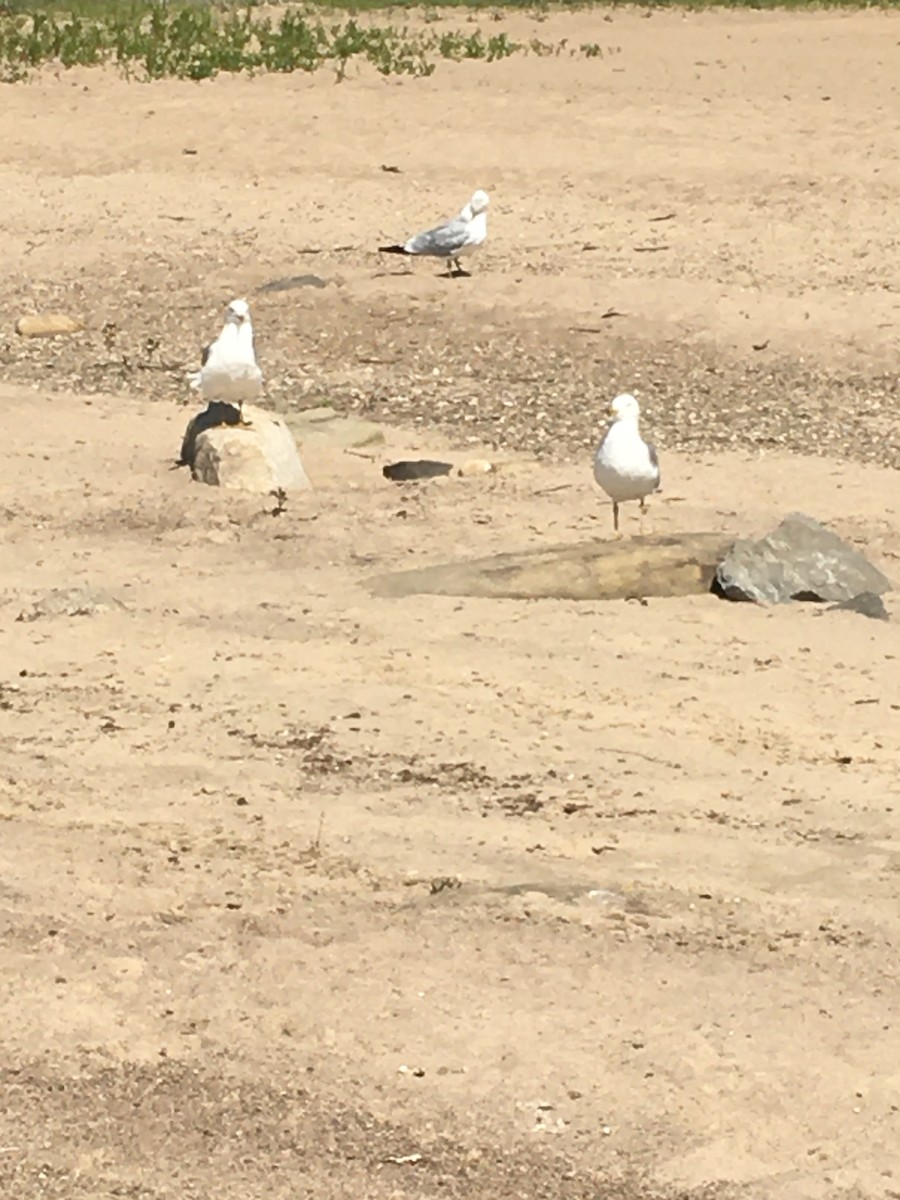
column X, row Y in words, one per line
column 643, row 511
column 616, row 519
column 244, row 424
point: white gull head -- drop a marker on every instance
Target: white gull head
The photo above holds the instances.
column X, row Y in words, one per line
column 625, row 408
column 479, row 202
column 237, row 312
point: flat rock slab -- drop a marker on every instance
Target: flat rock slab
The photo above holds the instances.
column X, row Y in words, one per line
column 260, row 457
column 48, row 325
column 798, row 560
column 71, row 602
column 293, row 281
column 349, row 433
column 597, row 570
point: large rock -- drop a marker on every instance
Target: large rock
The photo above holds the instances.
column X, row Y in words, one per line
column 260, row 457
column 599, row 570
column 799, row 560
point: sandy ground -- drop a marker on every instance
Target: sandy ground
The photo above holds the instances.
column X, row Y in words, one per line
column 309, row 894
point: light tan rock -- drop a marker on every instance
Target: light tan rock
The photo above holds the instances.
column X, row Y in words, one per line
column 259, row 457
column 475, row 466
column 598, row 570
column 48, row 325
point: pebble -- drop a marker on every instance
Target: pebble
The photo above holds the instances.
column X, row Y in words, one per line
column 48, row 325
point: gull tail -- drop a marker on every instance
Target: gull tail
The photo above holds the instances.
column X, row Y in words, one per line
column 392, row 250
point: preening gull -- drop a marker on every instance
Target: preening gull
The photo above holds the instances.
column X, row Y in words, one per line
column 229, row 371
column 455, row 238
column 626, row 466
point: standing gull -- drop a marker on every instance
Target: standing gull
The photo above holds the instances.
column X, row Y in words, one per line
column 463, row 235
column 229, row 371
column 626, row 466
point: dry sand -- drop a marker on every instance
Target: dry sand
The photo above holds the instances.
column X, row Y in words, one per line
column 309, row 894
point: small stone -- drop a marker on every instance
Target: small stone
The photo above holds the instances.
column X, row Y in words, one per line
column 261, row 456
column 48, row 325
column 475, row 466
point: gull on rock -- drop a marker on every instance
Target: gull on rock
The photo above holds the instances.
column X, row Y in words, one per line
column 452, row 240
column 229, row 371
column 626, row 466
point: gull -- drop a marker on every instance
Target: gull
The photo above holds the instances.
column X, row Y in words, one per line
column 462, row 235
column 229, row 371
column 626, row 466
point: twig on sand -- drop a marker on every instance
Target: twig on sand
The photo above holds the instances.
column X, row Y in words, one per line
column 324, row 249
column 604, row 316
column 557, row 487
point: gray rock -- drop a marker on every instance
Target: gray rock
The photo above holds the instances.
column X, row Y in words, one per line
column 71, row 602
column 867, row 604
column 261, row 457
column 799, row 560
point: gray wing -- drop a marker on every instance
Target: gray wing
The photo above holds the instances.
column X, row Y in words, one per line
column 654, row 461
column 440, row 242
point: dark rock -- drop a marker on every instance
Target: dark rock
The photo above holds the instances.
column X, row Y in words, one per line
column 799, row 560
column 867, row 604
column 423, row 468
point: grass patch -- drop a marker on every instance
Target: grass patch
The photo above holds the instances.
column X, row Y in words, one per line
column 197, row 39
column 192, row 39
column 108, row 10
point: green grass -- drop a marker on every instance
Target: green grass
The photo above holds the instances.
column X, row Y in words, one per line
column 109, row 10
column 195, row 40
